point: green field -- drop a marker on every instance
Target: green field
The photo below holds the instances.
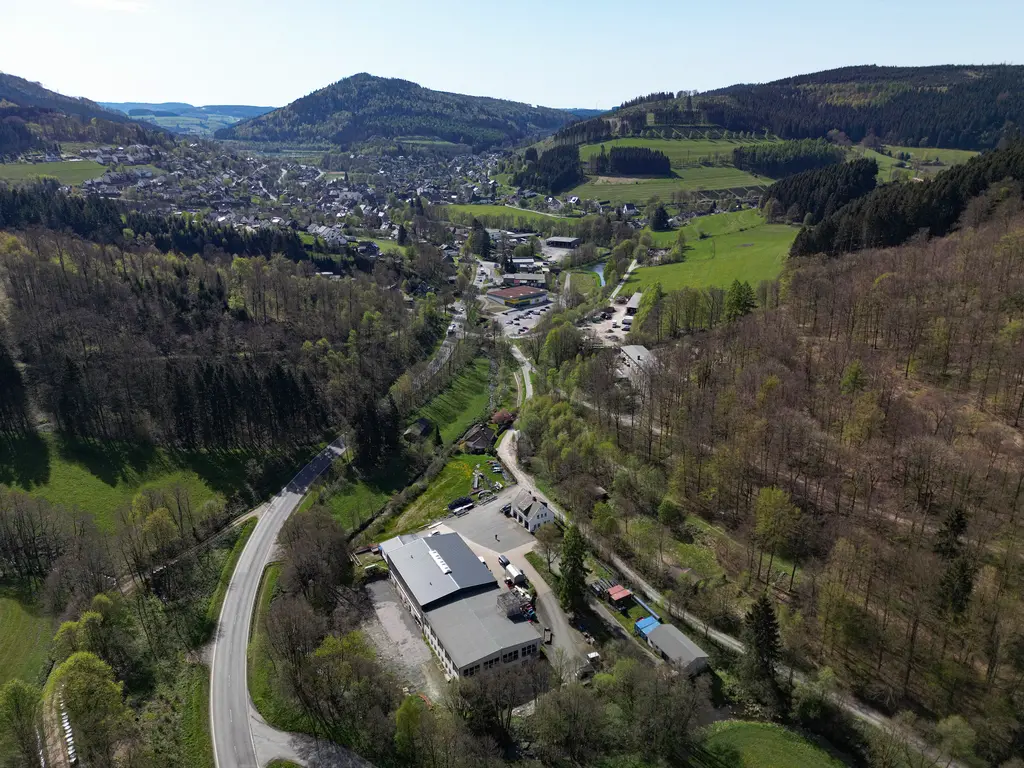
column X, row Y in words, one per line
column 617, row 190
column 753, row 255
column 25, row 635
column 888, row 171
column 763, row 745
column 681, row 152
column 455, row 480
column 102, row 477
column 67, row 172
column 462, row 403
column 584, row 281
column 498, row 210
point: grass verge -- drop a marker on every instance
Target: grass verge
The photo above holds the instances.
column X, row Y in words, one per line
column 197, row 743
column 217, row 600
column 264, row 687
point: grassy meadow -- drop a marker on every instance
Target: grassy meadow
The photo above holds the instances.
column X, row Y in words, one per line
column 764, row 745
column 25, row 635
column 462, row 403
column 738, row 246
column 67, row 172
column 680, row 152
column 499, row 210
column 100, row 478
column 455, row 480
column 620, row 189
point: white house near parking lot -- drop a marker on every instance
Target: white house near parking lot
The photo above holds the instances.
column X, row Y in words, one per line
column 530, row 512
column 456, row 601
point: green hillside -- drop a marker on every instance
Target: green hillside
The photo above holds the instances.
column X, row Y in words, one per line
column 363, row 107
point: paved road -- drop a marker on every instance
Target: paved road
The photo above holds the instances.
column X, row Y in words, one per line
column 231, row 717
column 525, row 372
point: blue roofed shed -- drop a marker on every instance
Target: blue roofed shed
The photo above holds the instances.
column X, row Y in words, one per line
column 645, row 625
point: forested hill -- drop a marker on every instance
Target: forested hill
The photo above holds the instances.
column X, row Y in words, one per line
column 363, row 107
column 967, row 107
column 32, row 117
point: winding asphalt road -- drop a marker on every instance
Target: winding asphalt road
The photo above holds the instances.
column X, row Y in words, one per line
column 231, row 714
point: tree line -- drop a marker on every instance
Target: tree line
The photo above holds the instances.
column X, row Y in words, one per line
column 556, row 170
column 894, row 213
column 218, row 354
column 626, row 161
column 787, row 157
column 43, row 204
column 816, row 194
column 968, row 110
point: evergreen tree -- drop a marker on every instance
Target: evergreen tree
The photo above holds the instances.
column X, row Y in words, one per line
column 402, row 235
column 572, row 588
column 739, row 301
column 764, row 643
column 659, row 219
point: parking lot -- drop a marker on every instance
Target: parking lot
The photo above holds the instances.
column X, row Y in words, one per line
column 603, row 331
column 514, row 321
column 485, row 522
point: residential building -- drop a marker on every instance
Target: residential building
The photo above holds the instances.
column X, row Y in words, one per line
column 479, row 439
column 530, row 512
column 519, row 296
column 458, row 605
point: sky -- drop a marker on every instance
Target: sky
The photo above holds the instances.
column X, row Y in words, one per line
column 556, row 53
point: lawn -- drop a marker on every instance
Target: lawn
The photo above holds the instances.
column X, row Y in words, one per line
column 462, row 403
column 680, row 152
column 763, row 745
column 617, row 190
column 455, row 480
column 25, row 635
column 68, row 171
column 755, row 254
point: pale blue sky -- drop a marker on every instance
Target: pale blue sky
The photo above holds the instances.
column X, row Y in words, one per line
column 553, row 52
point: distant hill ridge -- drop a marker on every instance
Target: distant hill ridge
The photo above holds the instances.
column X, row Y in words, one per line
column 239, row 111
column 363, row 107
column 955, row 106
column 35, row 118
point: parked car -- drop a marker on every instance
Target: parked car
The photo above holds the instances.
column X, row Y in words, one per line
column 502, row 561
column 506, row 509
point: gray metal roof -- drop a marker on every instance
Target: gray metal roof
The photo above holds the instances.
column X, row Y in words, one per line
column 634, row 301
column 676, row 646
column 474, row 628
column 437, row 567
column 637, row 353
column 389, row 546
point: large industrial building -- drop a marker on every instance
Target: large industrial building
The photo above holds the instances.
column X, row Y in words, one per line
column 465, row 614
column 519, row 296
